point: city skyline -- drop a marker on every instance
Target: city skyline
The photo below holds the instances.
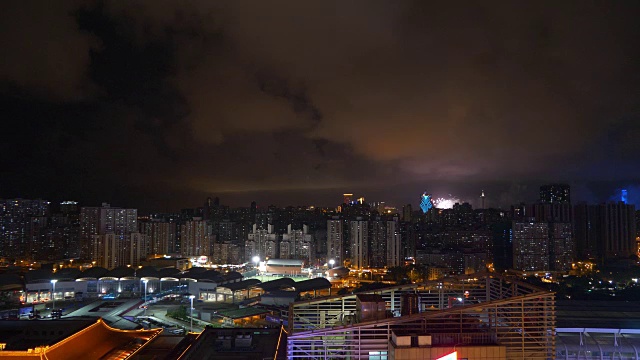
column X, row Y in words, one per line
column 516, row 194
column 160, row 105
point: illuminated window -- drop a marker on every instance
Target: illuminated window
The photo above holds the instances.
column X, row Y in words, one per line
column 377, row 355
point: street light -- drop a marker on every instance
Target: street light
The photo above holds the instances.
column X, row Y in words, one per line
column 53, row 293
column 145, row 281
column 191, row 297
column 331, row 262
column 256, row 260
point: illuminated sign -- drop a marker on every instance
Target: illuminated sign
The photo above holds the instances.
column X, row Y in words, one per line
column 452, row 356
column 426, row 203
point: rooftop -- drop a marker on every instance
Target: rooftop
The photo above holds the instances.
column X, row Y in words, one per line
column 242, row 313
column 236, row 344
column 313, row 284
column 242, row 285
column 598, row 314
column 73, row 339
column 277, row 284
column 286, row 262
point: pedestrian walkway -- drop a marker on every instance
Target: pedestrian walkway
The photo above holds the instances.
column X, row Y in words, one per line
column 161, row 314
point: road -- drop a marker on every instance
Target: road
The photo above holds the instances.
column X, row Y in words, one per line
column 110, row 314
column 116, row 313
column 160, row 311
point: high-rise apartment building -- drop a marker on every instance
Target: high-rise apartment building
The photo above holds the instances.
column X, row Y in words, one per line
column 114, row 250
column 561, row 246
column 196, row 238
column 335, row 238
column 18, row 229
column 530, row 245
column 549, row 212
column 262, row 243
column 297, row 244
column 359, row 241
column 227, row 253
column 69, row 207
column 377, row 243
column 393, row 241
column 104, row 220
column 161, row 235
column 555, row 193
column 407, row 213
column 605, row 232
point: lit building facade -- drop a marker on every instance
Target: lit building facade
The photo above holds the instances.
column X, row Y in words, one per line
column 605, row 232
column 114, row 250
column 101, row 221
column 393, row 241
column 335, row 240
column 530, row 246
column 262, row 243
column 196, row 238
column 18, row 229
column 555, row 193
column 561, row 247
column 161, row 235
column 297, row 244
column 359, row 241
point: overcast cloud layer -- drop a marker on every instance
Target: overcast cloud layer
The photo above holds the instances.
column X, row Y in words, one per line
column 164, row 102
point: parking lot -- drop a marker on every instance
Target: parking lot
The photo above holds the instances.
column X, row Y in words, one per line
column 152, row 322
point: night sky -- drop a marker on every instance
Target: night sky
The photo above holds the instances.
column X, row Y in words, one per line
column 159, row 104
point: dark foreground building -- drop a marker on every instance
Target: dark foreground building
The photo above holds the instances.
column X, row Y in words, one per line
column 233, row 343
column 70, row 339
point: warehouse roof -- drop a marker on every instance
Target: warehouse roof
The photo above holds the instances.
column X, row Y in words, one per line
column 313, row 284
column 277, row 284
column 10, row 282
column 284, row 262
column 95, row 272
column 242, row 285
column 242, row 313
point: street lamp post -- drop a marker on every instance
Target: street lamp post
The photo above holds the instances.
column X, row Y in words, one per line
column 331, row 262
column 191, row 297
column 145, row 281
column 256, row 260
column 53, row 293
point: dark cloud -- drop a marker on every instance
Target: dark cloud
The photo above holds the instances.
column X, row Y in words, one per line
column 238, row 97
column 43, row 51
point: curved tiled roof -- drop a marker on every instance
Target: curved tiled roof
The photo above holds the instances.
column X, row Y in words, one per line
column 211, row 275
column 40, row 275
column 242, row 285
column 95, row 272
column 232, row 275
column 120, row 272
column 192, row 273
column 277, row 284
column 168, row 272
column 195, row 270
column 313, row 284
column 10, row 282
column 66, row 274
column 148, row 272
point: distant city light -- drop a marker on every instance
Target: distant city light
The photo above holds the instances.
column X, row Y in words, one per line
column 445, row 203
column 426, row 203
